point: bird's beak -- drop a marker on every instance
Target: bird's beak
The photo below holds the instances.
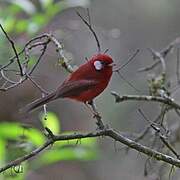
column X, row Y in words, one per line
column 112, row 64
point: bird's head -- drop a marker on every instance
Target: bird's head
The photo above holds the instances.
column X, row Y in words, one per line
column 101, row 62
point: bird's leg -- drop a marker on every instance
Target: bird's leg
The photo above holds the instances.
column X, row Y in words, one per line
column 96, row 114
column 93, row 107
column 90, row 108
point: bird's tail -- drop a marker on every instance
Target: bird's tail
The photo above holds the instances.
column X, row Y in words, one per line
column 37, row 103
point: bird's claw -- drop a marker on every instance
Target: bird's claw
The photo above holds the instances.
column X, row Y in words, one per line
column 96, row 115
column 101, row 126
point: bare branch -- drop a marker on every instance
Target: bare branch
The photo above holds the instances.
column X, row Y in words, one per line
column 128, row 61
column 162, row 54
column 106, row 132
column 42, row 41
column 14, row 49
column 169, row 47
column 128, row 82
column 177, row 67
column 149, row 67
column 157, row 55
column 97, row 116
column 161, row 136
column 37, row 85
column 13, row 85
column 59, row 48
column 167, row 101
column 88, row 24
column 38, row 60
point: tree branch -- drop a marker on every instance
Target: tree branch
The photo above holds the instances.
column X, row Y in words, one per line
column 14, row 49
column 167, row 101
column 39, row 41
column 159, row 56
column 106, row 132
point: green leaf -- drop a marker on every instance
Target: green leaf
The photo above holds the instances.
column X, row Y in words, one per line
column 10, row 130
column 26, row 5
column 2, row 151
column 8, row 23
column 52, row 10
column 68, row 153
column 14, row 9
column 15, row 173
column 51, row 121
column 45, row 3
column 40, row 19
column 21, row 26
column 34, row 136
column 14, row 131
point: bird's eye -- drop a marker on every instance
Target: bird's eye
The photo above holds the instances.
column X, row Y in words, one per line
column 98, row 65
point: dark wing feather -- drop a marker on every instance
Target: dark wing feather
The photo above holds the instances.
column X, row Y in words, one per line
column 74, row 88
column 67, row 89
column 37, row 103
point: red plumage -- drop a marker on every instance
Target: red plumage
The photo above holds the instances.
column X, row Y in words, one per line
column 84, row 84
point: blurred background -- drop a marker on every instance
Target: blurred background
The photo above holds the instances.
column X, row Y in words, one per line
column 123, row 26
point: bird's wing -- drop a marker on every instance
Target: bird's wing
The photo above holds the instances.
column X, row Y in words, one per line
column 37, row 103
column 67, row 89
column 74, row 88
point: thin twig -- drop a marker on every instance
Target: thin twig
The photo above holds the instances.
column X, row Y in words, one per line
column 6, row 65
column 88, row 24
column 164, row 52
column 14, row 49
column 177, row 67
column 37, row 85
column 128, row 82
column 28, row 44
column 38, row 60
column 128, row 61
column 157, row 55
column 13, row 85
column 46, row 39
column 6, row 78
column 147, row 68
column 169, row 47
column 142, row 134
column 59, row 48
column 161, row 136
column 167, row 101
column 96, row 115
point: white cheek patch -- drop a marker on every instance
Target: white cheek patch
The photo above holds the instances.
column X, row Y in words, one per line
column 98, row 65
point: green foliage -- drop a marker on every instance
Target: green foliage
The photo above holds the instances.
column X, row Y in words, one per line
column 69, row 153
column 19, row 16
column 77, row 149
column 16, row 173
column 17, row 140
column 51, row 121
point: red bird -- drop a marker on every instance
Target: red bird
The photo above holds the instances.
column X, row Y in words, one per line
column 84, row 84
